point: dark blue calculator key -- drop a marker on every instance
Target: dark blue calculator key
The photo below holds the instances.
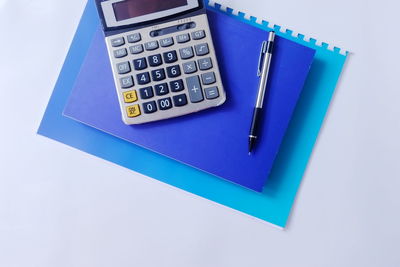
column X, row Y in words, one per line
column 180, row 100
column 173, row 71
column 146, row 93
column 123, row 67
column 161, row 89
column 119, row 53
column 153, row 45
column 194, row 88
column 149, row 107
column 117, row 41
column 158, row 75
column 143, row 78
column 170, row 57
column 155, row 60
column 140, row 63
column 176, row 86
column 165, row 103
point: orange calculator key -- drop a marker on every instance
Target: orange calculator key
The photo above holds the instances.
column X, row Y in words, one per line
column 133, row 111
column 130, row 96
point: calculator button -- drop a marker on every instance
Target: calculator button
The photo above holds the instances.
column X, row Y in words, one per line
column 197, row 35
column 167, row 42
column 211, row 93
column 173, row 71
column 136, row 49
column 165, row 103
column 208, row 78
column 180, row 100
column 161, row 89
column 176, row 86
column 205, row 63
column 189, row 67
column 140, row 63
column 126, row 82
column 195, row 90
column 133, row 111
column 155, row 60
column 183, row 38
column 130, row 96
column 202, row 49
column 170, row 57
column 185, row 26
column 158, row 75
column 146, row 93
column 118, row 41
column 186, row 53
column 123, row 67
column 151, row 45
column 143, row 78
column 120, row 53
column 133, row 38
column 149, row 107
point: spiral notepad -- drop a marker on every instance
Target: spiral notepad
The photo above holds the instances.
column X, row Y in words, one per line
column 274, row 203
column 214, row 141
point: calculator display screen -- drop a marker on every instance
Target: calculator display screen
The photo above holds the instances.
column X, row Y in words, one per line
column 135, row 8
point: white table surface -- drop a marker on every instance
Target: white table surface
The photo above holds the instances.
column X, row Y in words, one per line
column 61, row 207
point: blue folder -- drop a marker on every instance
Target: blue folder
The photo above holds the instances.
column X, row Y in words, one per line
column 275, row 202
column 216, row 140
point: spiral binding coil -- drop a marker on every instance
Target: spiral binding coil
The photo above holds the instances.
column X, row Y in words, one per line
column 280, row 30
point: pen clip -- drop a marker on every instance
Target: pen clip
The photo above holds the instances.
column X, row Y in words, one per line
column 261, row 58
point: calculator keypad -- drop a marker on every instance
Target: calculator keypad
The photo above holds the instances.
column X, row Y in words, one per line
column 166, row 76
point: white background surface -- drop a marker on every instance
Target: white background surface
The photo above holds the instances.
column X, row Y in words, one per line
column 61, row 207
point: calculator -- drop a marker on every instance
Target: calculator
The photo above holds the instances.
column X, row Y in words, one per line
column 162, row 57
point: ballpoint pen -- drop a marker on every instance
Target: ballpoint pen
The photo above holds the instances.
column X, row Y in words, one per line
column 263, row 73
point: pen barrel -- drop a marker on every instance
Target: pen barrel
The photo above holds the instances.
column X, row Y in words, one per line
column 255, row 124
column 263, row 80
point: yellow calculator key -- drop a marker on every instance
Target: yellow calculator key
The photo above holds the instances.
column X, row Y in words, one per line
column 130, row 96
column 133, row 111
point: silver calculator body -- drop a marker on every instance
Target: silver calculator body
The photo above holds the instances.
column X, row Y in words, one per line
column 162, row 57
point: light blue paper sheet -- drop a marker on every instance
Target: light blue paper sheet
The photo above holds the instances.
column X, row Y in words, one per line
column 274, row 203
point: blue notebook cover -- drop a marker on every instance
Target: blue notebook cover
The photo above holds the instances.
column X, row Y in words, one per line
column 274, row 204
column 214, row 141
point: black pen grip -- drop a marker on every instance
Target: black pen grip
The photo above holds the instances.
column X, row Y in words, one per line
column 255, row 124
